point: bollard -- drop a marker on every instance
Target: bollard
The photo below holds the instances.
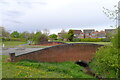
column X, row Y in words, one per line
column 12, row 57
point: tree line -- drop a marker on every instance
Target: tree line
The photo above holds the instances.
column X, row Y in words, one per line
column 35, row 36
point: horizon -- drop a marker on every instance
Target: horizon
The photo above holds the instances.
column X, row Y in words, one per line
column 58, row 31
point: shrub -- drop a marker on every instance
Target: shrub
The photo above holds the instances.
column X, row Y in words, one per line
column 76, row 40
column 105, row 40
column 105, row 62
column 39, row 38
column 91, row 40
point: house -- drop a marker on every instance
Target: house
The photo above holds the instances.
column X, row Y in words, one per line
column 93, row 34
column 77, row 33
column 81, row 36
column 101, row 34
column 87, row 32
column 109, row 30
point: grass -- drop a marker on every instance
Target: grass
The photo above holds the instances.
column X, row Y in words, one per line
column 102, row 43
column 33, row 69
column 13, row 44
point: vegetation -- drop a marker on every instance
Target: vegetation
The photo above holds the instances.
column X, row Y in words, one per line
column 32, row 69
column 26, row 35
column 70, row 32
column 15, row 34
column 91, row 40
column 105, row 61
column 53, row 37
column 11, row 44
column 40, row 37
column 65, row 36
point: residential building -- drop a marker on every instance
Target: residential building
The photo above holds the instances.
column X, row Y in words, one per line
column 109, row 30
column 77, row 33
column 93, row 34
column 101, row 34
column 81, row 36
column 87, row 32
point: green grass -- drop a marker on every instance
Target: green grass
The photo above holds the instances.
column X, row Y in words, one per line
column 0, row 67
column 102, row 43
column 12, row 43
column 32, row 69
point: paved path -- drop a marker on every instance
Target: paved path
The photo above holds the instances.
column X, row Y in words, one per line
column 18, row 51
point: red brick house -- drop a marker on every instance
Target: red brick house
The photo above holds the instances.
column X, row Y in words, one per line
column 101, row 34
column 93, row 34
column 77, row 33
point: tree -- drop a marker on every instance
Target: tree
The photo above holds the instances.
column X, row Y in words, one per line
column 4, row 32
column 27, row 35
column 65, row 36
column 15, row 34
column 53, row 36
column 39, row 38
column 42, row 39
column 112, row 14
column 107, row 57
column 71, row 35
column 46, row 32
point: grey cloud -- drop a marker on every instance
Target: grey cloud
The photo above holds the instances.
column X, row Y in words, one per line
column 12, row 20
column 29, row 4
column 3, row 2
column 12, row 13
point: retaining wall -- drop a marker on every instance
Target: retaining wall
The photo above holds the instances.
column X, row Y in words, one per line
column 60, row 53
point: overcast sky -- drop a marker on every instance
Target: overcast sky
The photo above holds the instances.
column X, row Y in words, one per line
column 32, row 15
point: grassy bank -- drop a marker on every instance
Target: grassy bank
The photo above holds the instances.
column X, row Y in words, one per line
column 32, row 69
column 103, row 43
column 12, row 44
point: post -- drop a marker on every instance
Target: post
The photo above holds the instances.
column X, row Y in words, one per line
column 12, row 57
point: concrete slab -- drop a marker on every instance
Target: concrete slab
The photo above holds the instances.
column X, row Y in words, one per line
column 18, row 51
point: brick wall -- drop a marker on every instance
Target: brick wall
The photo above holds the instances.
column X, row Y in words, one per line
column 60, row 53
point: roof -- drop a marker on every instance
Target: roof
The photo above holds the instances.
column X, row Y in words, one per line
column 109, row 30
column 88, row 30
column 77, row 31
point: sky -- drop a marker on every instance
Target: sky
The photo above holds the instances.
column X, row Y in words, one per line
column 55, row 15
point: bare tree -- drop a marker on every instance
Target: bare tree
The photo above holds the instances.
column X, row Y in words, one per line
column 46, row 32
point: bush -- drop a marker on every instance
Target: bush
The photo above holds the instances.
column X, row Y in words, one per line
column 105, row 62
column 105, row 40
column 76, row 40
column 41, row 38
column 91, row 40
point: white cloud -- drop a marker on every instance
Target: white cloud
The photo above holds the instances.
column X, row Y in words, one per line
column 54, row 14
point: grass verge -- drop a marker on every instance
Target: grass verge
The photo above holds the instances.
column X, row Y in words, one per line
column 33, row 69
